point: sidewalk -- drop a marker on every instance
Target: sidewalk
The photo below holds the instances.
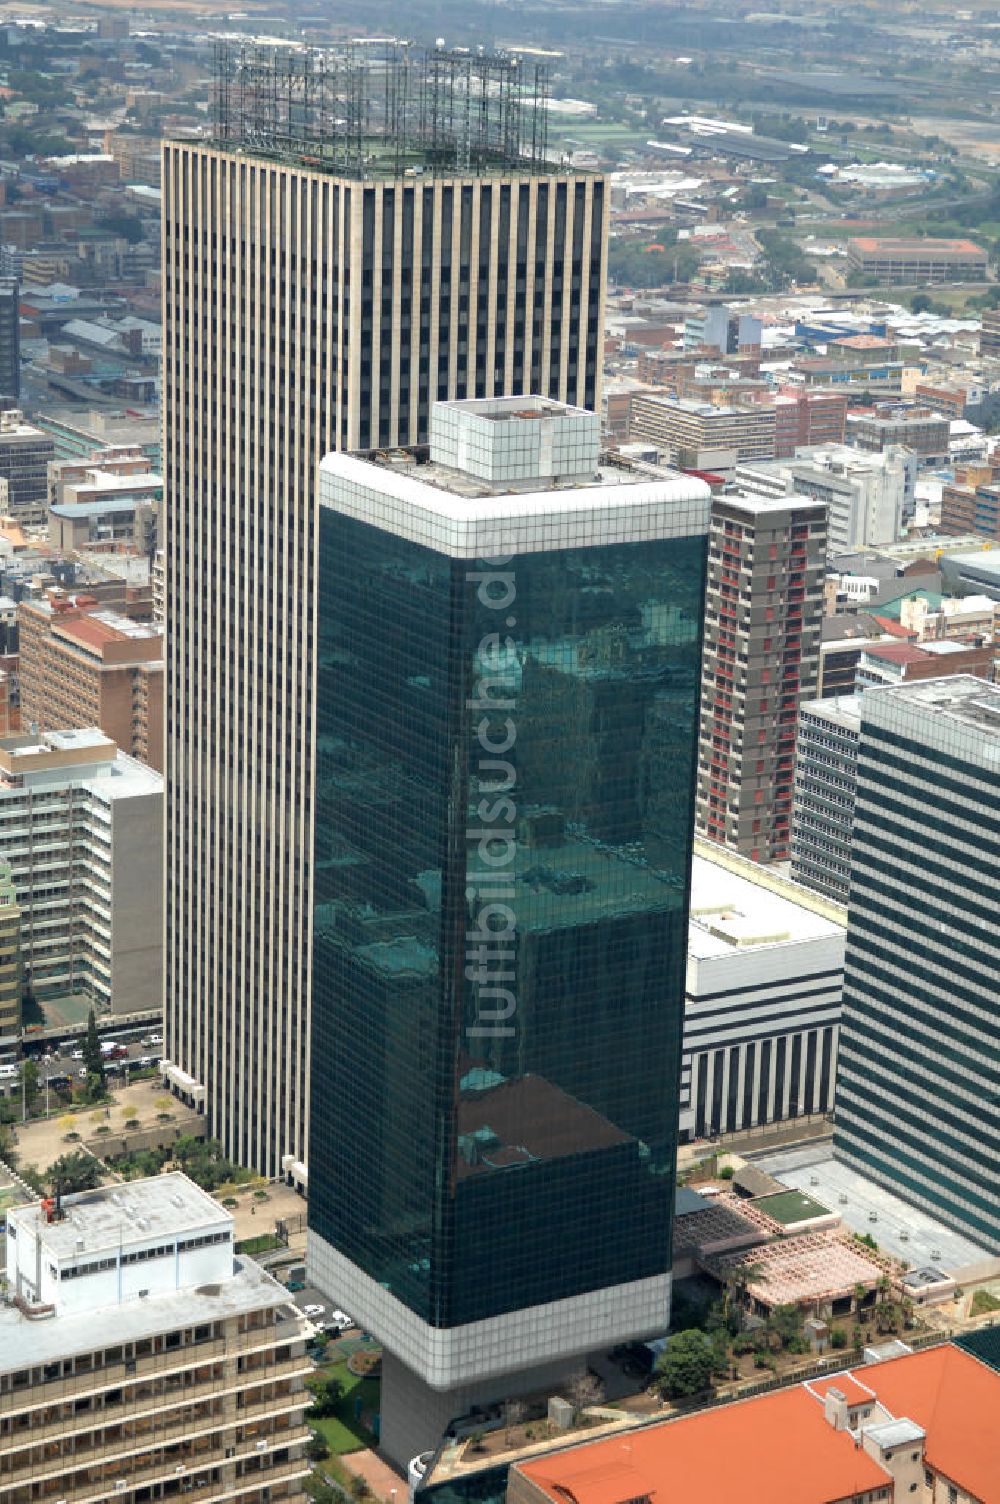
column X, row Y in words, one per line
column 384, row 1482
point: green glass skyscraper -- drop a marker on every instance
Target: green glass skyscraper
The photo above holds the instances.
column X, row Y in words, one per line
column 509, row 637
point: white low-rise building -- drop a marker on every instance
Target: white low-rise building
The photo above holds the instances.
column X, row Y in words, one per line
column 866, row 494
column 762, row 1013
column 140, row 1358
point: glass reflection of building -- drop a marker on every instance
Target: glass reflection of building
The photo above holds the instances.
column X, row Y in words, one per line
column 509, row 643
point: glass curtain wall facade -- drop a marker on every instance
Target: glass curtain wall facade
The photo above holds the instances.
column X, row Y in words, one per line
column 918, row 1090
column 495, row 1101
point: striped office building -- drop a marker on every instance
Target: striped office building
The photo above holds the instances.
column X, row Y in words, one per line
column 918, row 1096
column 762, row 1012
column 311, row 306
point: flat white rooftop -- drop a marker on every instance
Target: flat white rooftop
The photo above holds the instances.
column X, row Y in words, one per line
column 731, row 913
column 162, row 1205
column 840, row 710
column 962, row 699
column 24, row 1342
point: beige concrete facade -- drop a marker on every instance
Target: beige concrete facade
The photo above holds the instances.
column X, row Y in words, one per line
column 304, row 313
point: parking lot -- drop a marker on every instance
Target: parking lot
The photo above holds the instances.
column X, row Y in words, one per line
column 310, row 1296
column 61, row 1062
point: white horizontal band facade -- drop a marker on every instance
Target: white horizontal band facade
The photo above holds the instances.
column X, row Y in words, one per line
column 463, row 527
column 446, row 1357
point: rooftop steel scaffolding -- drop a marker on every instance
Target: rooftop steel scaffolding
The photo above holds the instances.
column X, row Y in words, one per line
column 380, row 107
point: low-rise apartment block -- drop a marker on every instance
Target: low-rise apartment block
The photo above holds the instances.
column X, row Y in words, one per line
column 809, row 417
column 111, row 502
column 141, row 1360
column 82, row 828
column 25, row 452
column 702, row 435
column 971, row 504
column 899, row 259
column 883, row 663
column 927, row 433
column 82, row 665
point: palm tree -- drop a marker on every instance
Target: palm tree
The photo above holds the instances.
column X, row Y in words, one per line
column 736, row 1280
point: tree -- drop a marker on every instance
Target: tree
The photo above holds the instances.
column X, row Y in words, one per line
column 326, row 1398
column 585, row 1389
column 75, row 1171
column 785, row 1323
column 686, row 1364
column 29, row 1082
column 316, row 1448
column 125, row 226
column 92, row 1058
column 316, row 1488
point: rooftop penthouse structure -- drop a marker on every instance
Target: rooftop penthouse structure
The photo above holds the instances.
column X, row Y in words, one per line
column 140, row 1359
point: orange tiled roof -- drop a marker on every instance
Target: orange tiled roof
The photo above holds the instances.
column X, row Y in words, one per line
column 853, row 1392
column 778, row 1449
column 957, row 1401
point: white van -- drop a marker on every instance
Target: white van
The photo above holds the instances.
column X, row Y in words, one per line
column 9, row 1072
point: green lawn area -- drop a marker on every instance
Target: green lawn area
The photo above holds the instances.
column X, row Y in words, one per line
column 263, row 1243
column 982, row 1302
column 790, row 1207
column 345, row 1431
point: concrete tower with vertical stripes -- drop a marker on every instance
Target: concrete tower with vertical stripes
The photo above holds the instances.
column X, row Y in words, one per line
column 313, row 301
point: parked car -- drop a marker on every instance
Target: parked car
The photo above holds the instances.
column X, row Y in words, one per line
column 151, row 1039
column 76, row 1055
column 294, row 1285
column 339, row 1322
column 313, row 1310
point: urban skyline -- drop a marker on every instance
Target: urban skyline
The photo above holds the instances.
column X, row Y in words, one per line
column 499, row 662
